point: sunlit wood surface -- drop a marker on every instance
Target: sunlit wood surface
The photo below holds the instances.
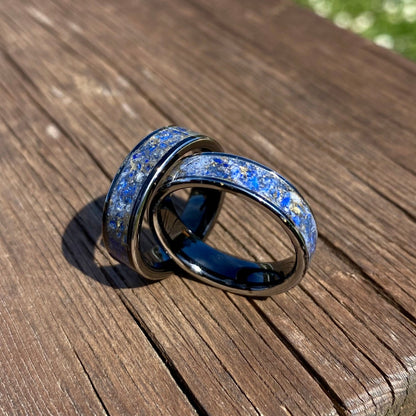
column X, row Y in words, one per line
column 81, row 82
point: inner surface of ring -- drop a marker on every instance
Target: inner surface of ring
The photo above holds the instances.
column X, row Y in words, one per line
column 196, row 213
column 213, row 265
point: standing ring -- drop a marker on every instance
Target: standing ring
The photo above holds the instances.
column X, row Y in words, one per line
column 132, row 189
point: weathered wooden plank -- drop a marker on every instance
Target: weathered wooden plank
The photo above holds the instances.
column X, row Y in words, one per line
column 319, row 167
column 363, row 380
column 207, row 366
column 307, row 46
column 80, row 338
column 316, row 159
column 296, row 317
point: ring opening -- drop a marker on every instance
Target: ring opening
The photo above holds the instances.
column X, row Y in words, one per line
column 196, row 208
column 225, row 260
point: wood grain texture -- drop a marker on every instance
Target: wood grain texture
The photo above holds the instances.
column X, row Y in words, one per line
column 81, row 83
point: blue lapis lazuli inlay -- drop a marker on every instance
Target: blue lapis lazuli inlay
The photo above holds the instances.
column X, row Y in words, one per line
column 129, row 180
column 257, row 179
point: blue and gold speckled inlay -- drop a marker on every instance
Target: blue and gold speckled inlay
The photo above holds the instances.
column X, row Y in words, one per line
column 257, row 180
column 134, row 173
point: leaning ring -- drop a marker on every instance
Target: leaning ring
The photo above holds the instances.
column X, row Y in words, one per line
column 230, row 173
column 132, row 189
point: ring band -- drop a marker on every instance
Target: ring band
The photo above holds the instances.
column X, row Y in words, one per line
column 225, row 172
column 132, row 190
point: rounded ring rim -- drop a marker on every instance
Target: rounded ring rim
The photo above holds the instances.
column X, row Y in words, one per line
column 302, row 254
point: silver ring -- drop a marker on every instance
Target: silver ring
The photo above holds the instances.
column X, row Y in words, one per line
column 132, row 190
column 226, row 172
